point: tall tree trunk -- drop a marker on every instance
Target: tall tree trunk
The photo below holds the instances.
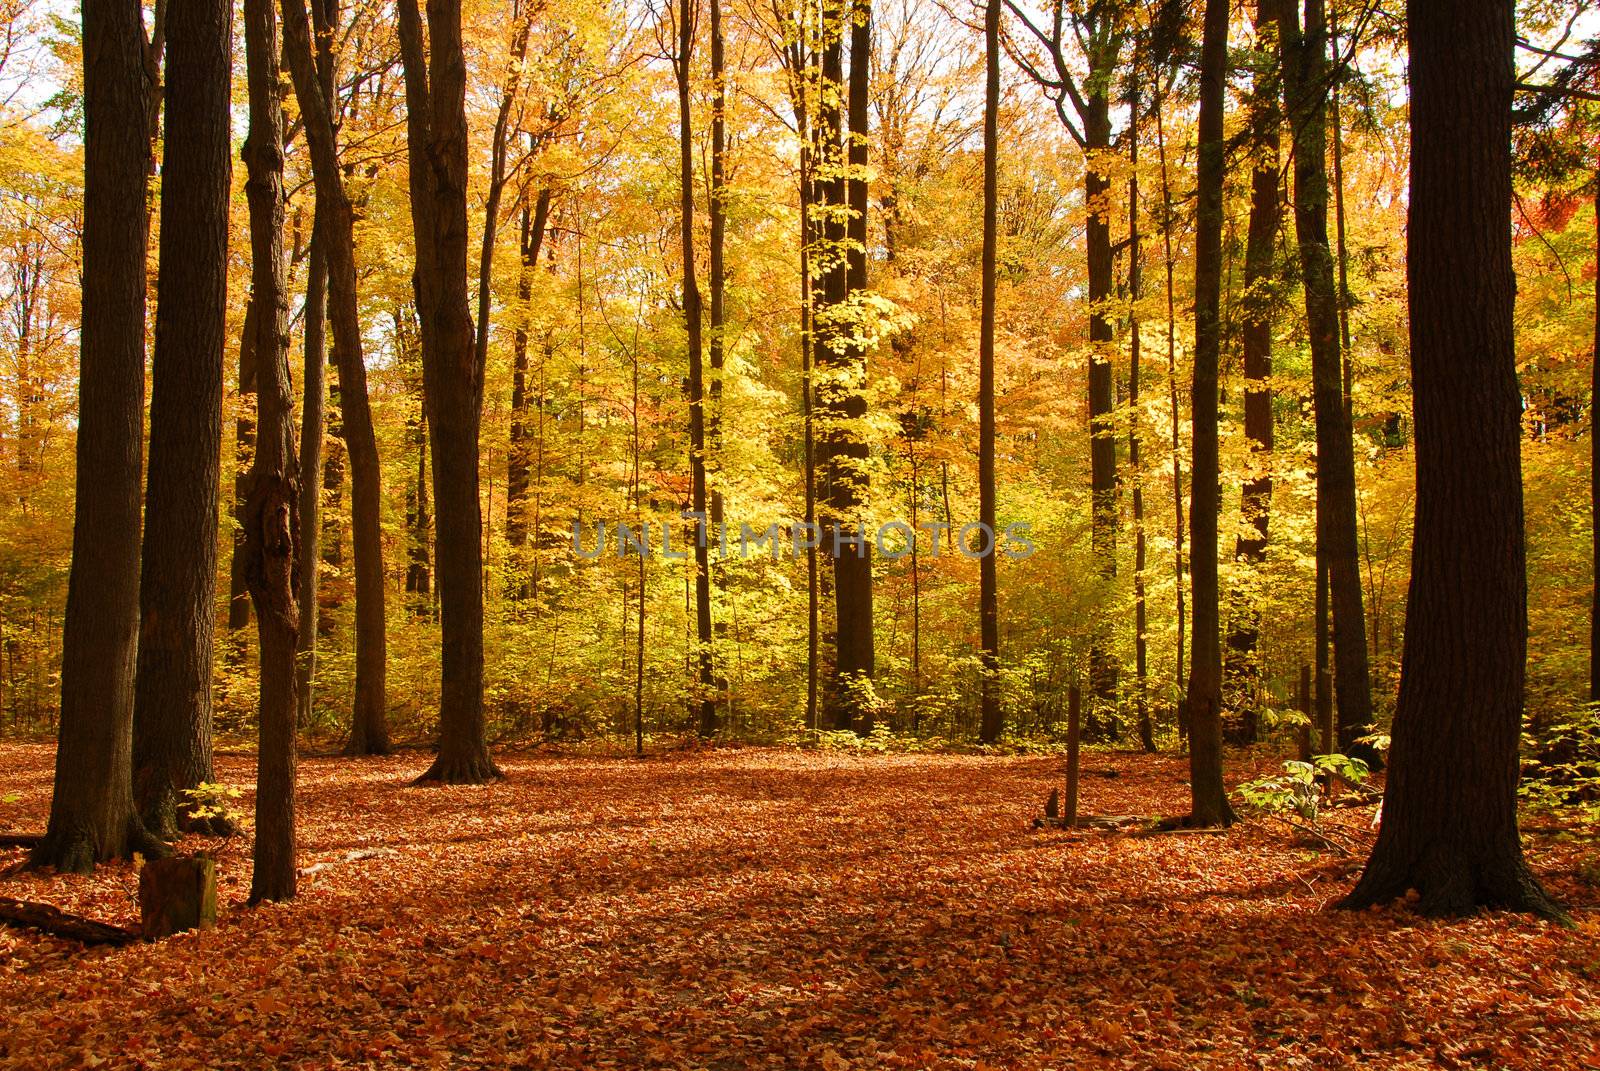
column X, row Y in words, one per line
column 841, row 394
column 1141, row 643
column 272, row 508
column 1261, row 245
column 1594, row 467
column 1305, row 85
column 1172, row 391
column 1209, row 797
column 369, row 730
column 535, row 219
column 436, row 126
column 717, row 216
column 1450, row 810
column 990, row 717
column 705, row 703
column 244, row 443
column 92, row 817
column 178, row 581
column 313, row 417
column 1104, row 523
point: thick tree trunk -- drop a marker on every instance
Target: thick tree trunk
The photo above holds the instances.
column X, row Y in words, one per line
column 1209, row 797
column 313, row 417
column 1261, row 246
column 705, row 704
column 990, row 717
column 452, row 374
column 841, row 393
column 178, row 581
column 1305, row 87
column 369, row 731
column 1450, row 811
column 92, row 817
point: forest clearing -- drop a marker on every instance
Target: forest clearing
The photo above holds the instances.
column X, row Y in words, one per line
column 761, row 908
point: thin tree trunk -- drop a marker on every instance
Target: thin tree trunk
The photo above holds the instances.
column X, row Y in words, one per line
column 313, row 417
column 1104, row 522
column 717, row 214
column 704, row 703
column 1305, row 76
column 1450, row 810
column 1209, row 797
column 92, row 817
column 1172, row 387
column 1141, row 643
column 178, row 580
column 534, row 221
column 369, row 731
column 990, row 717
column 244, row 443
column 436, row 129
column 272, row 510
column 1261, row 243
column 1594, row 468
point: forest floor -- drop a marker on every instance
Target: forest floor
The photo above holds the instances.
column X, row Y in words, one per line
column 776, row 909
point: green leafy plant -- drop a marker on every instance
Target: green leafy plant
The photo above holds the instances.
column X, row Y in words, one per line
column 1297, row 788
column 1562, row 771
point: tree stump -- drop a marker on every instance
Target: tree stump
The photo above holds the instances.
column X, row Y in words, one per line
column 177, row 895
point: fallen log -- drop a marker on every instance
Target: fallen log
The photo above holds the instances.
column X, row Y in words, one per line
column 20, row 840
column 29, row 915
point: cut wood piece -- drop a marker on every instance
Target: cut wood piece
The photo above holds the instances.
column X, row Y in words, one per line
column 1106, row 822
column 20, row 840
column 177, row 895
column 54, row 921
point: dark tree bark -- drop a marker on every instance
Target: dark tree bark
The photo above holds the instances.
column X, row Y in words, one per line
column 244, row 440
column 1450, row 810
column 178, row 582
column 1102, row 393
column 1305, row 71
column 272, row 507
column 1209, row 797
column 534, row 221
column 369, row 730
column 1141, row 644
column 705, row 704
column 990, row 717
column 1594, row 470
column 436, row 128
column 840, row 395
column 92, row 817
column 1261, row 244
column 313, row 417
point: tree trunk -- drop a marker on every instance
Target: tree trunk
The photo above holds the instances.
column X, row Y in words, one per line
column 244, row 441
column 1261, row 245
column 841, row 394
column 534, row 222
column 1141, row 644
column 178, row 582
column 1102, row 392
column 369, row 730
column 311, row 435
column 436, row 127
column 705, row 703
column 1594, row 468
column 1209, row 798
column 990, row 717
column 1305, row 83
column 1450, row 811
column 92, row 817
